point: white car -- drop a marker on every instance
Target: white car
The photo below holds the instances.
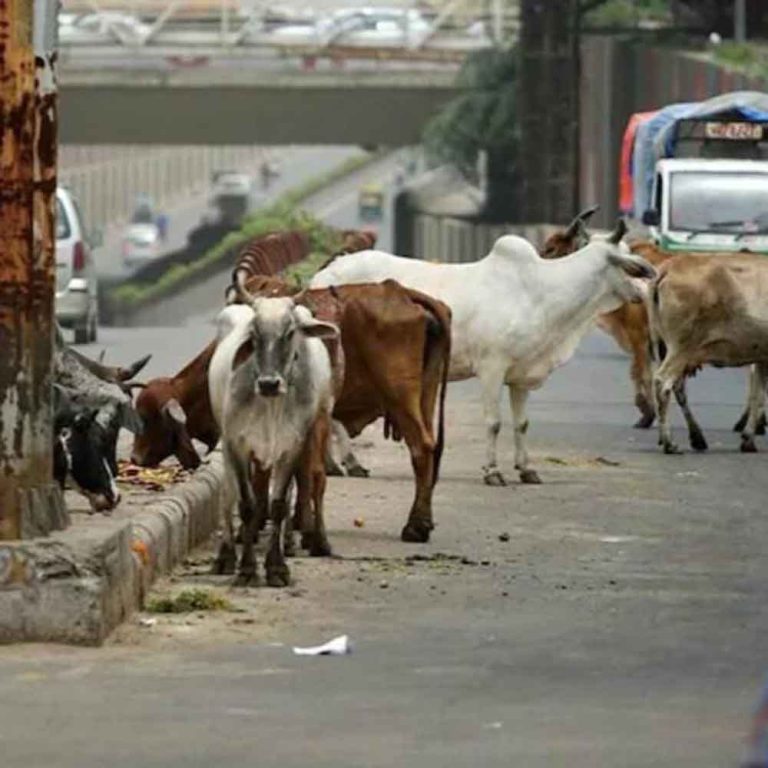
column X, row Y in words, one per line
column 379, row 27
column 76, row 284
column 141, row 244
column 102, row 28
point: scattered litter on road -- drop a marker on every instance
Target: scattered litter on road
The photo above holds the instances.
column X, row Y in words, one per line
column 504, row 537
column 149, row 478
column 147, row 622
column 603, row 462
column 493, row 726
column 383, row 585
column 692, row 473
column 339, row 646
column 188, row 601
column 358, row 522
column 615, row 539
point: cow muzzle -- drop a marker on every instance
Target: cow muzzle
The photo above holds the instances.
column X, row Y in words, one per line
column 269, row 386
column 102, row 502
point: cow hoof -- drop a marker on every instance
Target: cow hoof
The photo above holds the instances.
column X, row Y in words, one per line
column 530, row 477
column 645, row 421
column 697, row 441
column 356, row 470
column 494, row 478
column 332, row 469
column 320, row 549
column 748, row 445
column 225, row 562
column 278, row 576
column 671, row 449
column 246, row 579
column 416, row 533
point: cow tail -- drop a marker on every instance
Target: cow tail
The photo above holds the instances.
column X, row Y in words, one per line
column 444, row 318
column 658, row 349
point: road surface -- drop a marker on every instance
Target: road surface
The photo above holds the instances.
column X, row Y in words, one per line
column 613, row 616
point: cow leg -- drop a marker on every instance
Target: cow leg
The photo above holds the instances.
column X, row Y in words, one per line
column 278, row 574
column 226, row 559
column 492, row 382
column 348, row 459
column 695, row 435
column 421, row 445
column 319, row 439
column 664, row 381
column 518, row 397
column 254, row 501
column 642, row 377
column 757, row 379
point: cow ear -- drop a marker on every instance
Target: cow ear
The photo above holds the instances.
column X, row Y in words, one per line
column 173, row 410
column 317, row 329
column 634, row 266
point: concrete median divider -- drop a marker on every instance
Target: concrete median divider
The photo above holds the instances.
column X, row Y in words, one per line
column 77, row 585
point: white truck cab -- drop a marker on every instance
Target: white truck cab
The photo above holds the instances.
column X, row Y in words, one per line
column 702, row 204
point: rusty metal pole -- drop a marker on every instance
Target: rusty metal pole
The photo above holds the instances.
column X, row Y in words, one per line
column 30, row 504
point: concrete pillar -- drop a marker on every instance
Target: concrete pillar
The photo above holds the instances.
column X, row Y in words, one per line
column 30, row 503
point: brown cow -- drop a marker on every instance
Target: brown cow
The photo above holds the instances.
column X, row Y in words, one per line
column 396, row 345
column 710, row 309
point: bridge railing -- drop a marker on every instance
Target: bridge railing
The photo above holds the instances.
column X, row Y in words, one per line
column 108, row 180
column 456, row 241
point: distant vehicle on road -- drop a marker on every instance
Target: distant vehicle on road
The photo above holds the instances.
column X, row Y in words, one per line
column 144, row 235
column 77, row 300
column 232, row 195
column 370, row 202
column 101, row 28
column 379, row 27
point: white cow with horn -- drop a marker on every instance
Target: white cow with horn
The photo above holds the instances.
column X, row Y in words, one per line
column 516, row 316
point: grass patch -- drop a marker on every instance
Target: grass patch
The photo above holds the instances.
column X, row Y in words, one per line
column 189, row 600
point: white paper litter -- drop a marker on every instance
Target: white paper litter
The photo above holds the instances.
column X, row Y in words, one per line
column 147, row 622
column 339, row 646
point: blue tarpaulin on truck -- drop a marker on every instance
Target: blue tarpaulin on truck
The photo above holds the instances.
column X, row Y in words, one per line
column 644, row 155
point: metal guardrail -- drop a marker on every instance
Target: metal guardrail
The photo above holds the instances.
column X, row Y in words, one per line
column 108, row 180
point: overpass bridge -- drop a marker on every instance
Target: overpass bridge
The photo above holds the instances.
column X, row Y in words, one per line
column 231, row 104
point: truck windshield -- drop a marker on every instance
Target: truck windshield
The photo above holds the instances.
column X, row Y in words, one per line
column 729, row 203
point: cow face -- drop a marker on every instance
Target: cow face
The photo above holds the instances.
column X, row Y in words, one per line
column 164, row 431
column 85, row 445
column 277, row 330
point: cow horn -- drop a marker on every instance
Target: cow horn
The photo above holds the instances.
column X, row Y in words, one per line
column 242, row 291
column 579, row 221
column 111, row 373
column 619, row 232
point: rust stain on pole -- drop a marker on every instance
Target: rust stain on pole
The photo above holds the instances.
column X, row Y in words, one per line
column 27, row 258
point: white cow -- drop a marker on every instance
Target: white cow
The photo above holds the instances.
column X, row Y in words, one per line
column 271, row 389
column 516, row 316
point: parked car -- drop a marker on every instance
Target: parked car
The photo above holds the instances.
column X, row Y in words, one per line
column 379, row 27
column 76, row 283
column 102, row 28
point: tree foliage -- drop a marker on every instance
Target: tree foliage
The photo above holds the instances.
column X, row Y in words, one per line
column 481, row 118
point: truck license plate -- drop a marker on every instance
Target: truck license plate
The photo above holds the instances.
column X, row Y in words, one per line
column 735, row 131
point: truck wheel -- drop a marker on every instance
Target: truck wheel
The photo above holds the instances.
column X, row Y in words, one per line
column 93, row 329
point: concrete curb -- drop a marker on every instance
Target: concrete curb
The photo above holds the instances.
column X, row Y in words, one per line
column 77, row 585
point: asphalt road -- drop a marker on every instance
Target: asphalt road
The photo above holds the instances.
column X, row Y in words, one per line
column 613, row 616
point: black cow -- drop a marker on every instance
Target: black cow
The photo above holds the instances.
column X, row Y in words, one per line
column 85, row 450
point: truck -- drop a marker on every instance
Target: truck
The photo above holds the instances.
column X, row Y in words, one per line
column 696, row 174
